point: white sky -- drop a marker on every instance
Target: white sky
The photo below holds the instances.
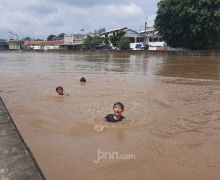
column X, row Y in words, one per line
column 39, row 18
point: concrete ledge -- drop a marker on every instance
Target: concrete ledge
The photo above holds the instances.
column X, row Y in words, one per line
column 127, row 52
column 16, row 159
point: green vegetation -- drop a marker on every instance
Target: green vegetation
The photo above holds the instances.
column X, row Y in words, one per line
column 106, row 41
column 93, row 42
column 118, row 40
column 193, row 24
column 51, row 37
column 123, row 43
column 146, row 46
column 116, row 37
column 61, row 36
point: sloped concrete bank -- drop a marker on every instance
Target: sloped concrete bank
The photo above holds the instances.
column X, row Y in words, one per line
column 16, row 160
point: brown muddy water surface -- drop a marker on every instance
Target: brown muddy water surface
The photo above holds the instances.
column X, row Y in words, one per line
column 172, row 109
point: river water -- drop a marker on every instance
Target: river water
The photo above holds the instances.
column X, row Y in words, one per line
column 172, row 110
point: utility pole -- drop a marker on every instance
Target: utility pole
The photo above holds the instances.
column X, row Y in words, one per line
column 145, row 31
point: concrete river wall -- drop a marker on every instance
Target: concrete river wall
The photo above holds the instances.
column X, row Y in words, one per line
column 16, row 160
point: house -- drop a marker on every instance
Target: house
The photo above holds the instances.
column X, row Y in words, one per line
column 153, row 39
column 15, row 44
column 76, row 41
column 3, row 44
column 43, row 45
column 73, row 41
column 135, row 38
column 53, row 45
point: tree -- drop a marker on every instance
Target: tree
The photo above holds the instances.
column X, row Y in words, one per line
column 61, row 36
column 116, row 37
column 123, row 43
column 27, row 38
column 51, row 37
column 193, row 24
column 93, row 42
column 146, row 46
column 106, row 41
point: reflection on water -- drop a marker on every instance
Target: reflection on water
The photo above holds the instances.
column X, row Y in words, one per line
column 35, row 63
column 171, row 107
column 172, row 66
column 190, row 67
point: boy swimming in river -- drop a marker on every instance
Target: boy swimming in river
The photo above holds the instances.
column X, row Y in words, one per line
column 118, row 108
column 83, row 80
column 60, row 91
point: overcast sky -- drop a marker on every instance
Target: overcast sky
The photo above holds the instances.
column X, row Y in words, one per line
column 39, row 18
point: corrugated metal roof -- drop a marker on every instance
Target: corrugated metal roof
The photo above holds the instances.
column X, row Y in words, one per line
column 43, row 43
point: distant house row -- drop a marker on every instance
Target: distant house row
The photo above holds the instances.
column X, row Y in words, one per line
column 76, row 41
column 43, row 45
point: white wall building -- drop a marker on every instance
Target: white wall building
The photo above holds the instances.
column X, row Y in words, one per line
column 44, row 45
column 153, row 46
column 135, row 38
column 154, row 40
column 73, row 39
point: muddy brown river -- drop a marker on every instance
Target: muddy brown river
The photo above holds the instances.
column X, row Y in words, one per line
column 172, row 110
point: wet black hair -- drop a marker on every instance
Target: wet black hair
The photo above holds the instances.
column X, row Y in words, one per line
column 83, row 79
column 59, row 87
column 120, row 104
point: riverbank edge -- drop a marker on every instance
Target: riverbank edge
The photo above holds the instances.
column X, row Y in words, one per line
column 17, row 160
column 128, row 52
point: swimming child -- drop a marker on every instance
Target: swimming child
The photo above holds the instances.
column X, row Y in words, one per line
column 60, row 91
column 83, row 79
column 118, row 108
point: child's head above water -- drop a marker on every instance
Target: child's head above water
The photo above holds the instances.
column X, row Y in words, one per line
column 83, row 79
column 118, row 108
column 59, row 90
column 118, row 105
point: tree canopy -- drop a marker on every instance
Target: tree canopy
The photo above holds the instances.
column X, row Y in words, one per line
column 123, row 43
column 93, row 42
column 193, row 24
column 51, row 37
column 61, row 36
column 115, row 37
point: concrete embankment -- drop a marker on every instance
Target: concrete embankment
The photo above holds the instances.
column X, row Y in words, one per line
column 128, row 52
column 16, row 159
